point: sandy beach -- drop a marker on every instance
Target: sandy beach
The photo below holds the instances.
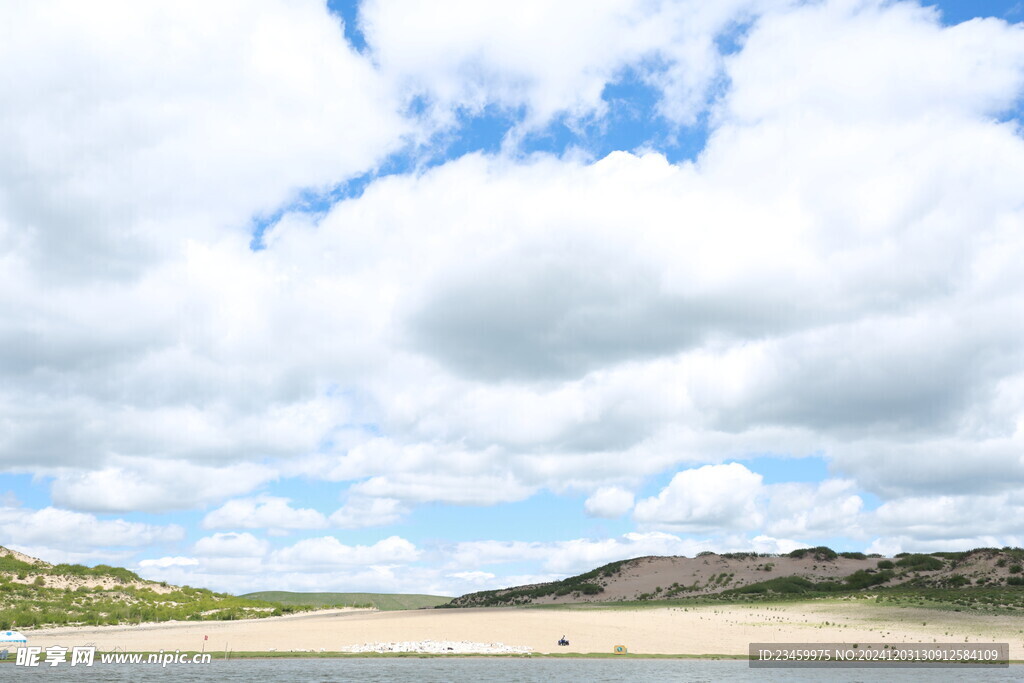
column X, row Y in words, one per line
column 674, row 630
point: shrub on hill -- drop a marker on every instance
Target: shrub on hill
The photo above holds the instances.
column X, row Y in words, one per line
column 23, row 569
column 789, row 585
column 918, row 562
column 820, row 553
column 862, row 579
column 99, row 571
column 950, row 556
column 9, row 563
column 783, row 584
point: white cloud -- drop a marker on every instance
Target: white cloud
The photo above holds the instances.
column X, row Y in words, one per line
column 550, row 58
column 155, row 485
column 964, row 463
column 874, row 61
column 76, row 531
column 732, row 498
column 164, row 562
column 938, row 519
column 263, row 512
column 473, row 576
column 327, row 552
column 456, row 488
column 361, row 512
column 841, row 259
column 827, row 509
column 707, row 498
column 608, row 502
column 138, row 150
column 231, row 545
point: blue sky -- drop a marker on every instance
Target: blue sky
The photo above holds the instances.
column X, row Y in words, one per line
column 375, row 296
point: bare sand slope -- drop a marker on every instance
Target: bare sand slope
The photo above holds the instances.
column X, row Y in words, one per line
column 702, row 630
column 678, row 576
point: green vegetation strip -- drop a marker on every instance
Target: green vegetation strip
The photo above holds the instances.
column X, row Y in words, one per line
column 33, row 605
column 381, row 601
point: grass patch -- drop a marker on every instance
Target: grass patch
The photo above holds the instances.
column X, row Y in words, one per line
column 381, row 601
column 921, row 563
column 820, row 553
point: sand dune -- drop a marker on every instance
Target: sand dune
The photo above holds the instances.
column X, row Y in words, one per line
column 675, row 630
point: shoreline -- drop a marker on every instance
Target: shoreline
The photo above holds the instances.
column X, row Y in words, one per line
column 219, row 656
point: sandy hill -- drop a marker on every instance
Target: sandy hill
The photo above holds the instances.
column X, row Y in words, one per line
column 810, row 569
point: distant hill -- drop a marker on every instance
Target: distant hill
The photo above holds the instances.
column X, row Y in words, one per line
column 382, row 601
column 37, row 593
column 744, row 575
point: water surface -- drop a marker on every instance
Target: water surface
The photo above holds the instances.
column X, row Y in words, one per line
column 468, row 670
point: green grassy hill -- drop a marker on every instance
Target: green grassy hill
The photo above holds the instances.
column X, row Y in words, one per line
column 35, row 593
column 381, row 601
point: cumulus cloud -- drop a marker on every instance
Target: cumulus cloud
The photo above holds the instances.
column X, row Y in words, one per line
column 231, row 544
column 836, row 272
column 53, row 527
column 263, row 512
column 915, row 55
column 140, row 150
column 155, row 485
column 733, row 498
column 551, row 58
column 961, row 464
column 449, row 488
column 361, row 512
column 473, row 576
column 327, row 552
column 828, row 509
column 164, row 562
column 608, row 502
column 940, row 519
column 705, row 498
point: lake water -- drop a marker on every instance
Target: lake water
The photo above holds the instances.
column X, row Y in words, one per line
column 482, row 670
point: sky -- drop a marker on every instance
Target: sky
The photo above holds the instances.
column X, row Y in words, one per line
column 441, row 297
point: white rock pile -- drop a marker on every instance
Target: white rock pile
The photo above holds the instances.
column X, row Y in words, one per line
column 441, row 647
